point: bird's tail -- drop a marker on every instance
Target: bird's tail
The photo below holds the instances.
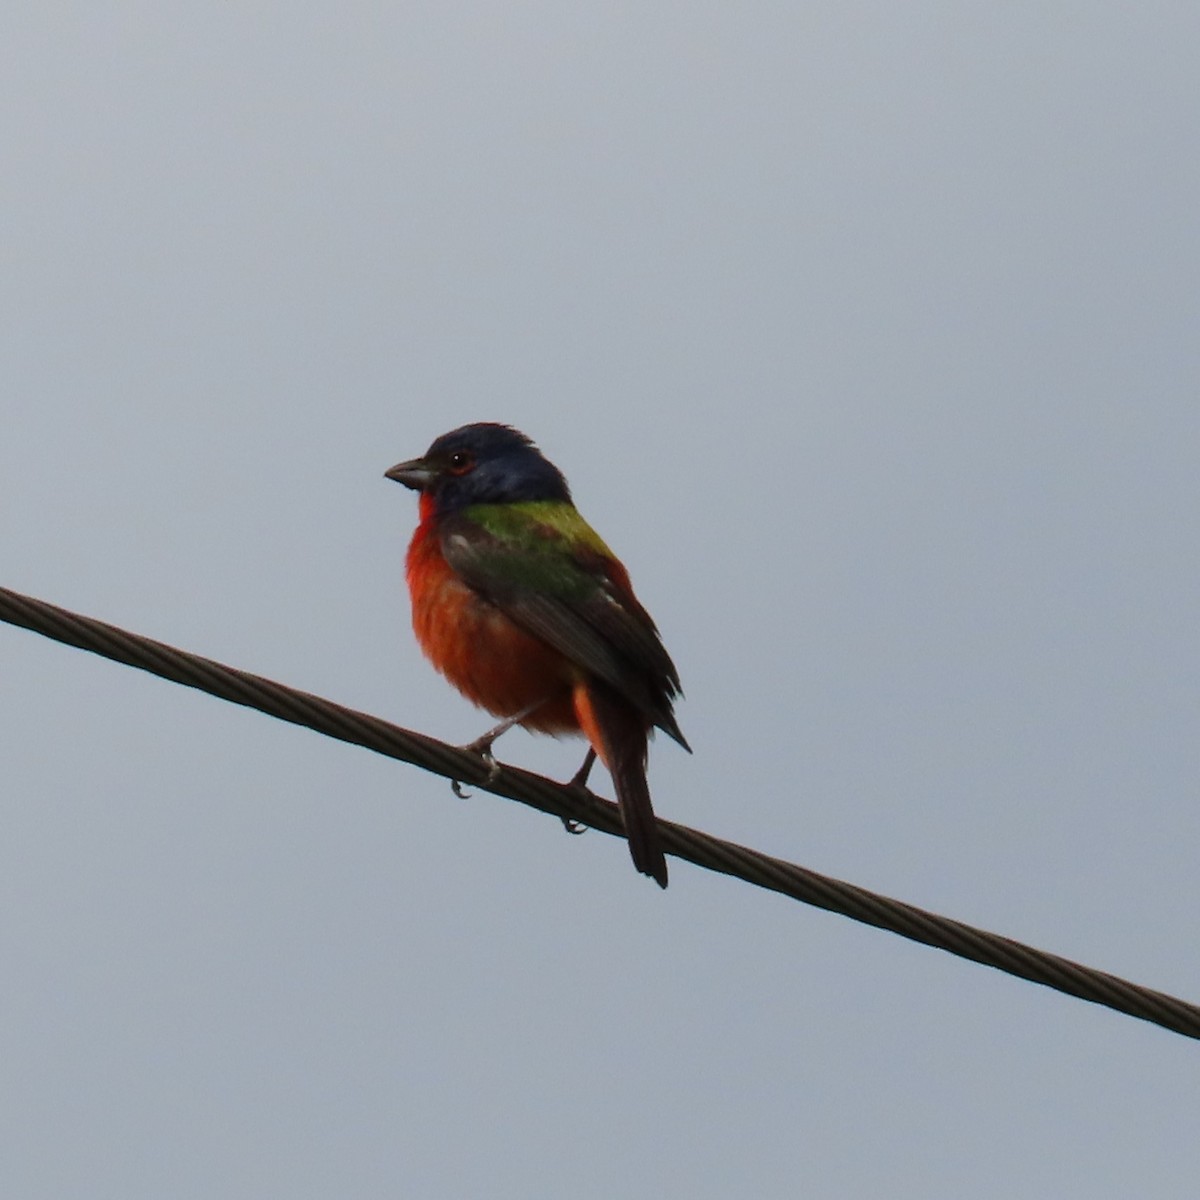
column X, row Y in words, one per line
column 618, row 734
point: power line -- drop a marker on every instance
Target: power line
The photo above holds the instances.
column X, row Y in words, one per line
column 348, row 725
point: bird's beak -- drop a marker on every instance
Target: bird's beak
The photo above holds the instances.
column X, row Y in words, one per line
column 416, row 474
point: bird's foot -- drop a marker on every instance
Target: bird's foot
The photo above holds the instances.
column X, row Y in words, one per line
column 579, row 780
column 481, row 747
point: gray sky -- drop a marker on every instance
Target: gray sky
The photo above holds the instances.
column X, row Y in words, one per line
column 866, row 333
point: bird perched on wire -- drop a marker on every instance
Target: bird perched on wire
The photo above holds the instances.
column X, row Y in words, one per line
column 518, row 602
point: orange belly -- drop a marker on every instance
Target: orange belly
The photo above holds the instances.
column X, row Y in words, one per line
column 489, row 658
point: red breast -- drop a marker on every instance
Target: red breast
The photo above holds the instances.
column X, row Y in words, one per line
column 487, row 656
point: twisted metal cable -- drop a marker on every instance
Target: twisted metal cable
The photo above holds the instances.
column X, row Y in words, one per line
column 579, row 804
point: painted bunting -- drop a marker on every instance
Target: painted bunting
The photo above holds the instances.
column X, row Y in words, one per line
column 518, row 602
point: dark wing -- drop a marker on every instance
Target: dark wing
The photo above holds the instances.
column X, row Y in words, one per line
column 567, row 591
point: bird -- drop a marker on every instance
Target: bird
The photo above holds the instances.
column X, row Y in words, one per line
column 521, row 605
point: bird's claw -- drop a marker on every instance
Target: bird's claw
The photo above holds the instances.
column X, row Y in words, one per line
column 481, row 747
column 579, row 780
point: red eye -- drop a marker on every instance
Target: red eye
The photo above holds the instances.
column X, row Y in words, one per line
column 461, row 461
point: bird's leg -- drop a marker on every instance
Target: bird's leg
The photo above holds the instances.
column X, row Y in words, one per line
column 483, row 745
column 579, row 779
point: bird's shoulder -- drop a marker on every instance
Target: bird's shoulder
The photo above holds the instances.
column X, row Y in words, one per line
column 545, row 544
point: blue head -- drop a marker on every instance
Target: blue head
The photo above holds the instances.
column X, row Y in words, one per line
column 485, row 463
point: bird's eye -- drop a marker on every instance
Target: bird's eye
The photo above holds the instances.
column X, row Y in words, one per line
column 461, row 461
